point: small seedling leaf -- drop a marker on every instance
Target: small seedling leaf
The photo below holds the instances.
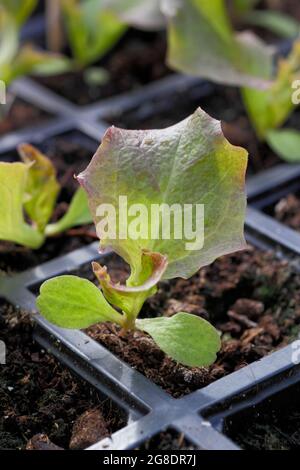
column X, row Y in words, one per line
column 72, row 302
column 186, row 338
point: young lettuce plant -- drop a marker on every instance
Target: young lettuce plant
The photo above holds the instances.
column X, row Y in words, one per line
column 133, row 173
column 236, row 59
column 28, row 190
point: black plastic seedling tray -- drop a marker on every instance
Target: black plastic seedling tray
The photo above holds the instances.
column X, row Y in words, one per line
column 266, row 189
column 198, row 416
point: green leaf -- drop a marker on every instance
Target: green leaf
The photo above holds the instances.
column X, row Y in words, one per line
column 42, row 187
column 8, row 44
column 36, row 62
column 188, row 164
column 77, row 214
column 20, row 10
column 270, row 108
column 92, row 29
column 285, row 143
column 242, row 6
column 277, row 22
column 13, row 228
column 142, row 14
column 203, row 43
column 71, row 302
column 186, row 338
column 16, row 61
column 130, row 298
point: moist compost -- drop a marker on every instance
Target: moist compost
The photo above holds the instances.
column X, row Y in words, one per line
column 70, row 154
column 271, row 425
column 20, row 115
column 138, row 59
column 251, row 297
column 40, row 397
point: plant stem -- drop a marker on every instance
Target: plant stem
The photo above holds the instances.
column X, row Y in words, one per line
column 128, row 323
column 55, row 36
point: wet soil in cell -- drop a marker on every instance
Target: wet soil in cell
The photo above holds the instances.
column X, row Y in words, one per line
column 39, row 396
column 138, row 59
column 223, row 103
column 168, row 440
column 20, row 115
column 272, row 425
column 251, row 297
column 287, row 211
column 70, row 153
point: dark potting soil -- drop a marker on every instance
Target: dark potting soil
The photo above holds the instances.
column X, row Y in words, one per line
column 168, row 440
column 39, row 396
column 138, row 59
column 70, row 153
column 251, row 297
column 223, row 103
column 287, row 211
column 20, row 115
column 274, row 424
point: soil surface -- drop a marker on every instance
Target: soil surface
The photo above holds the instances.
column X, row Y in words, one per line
column 272, row 425
column 222, row 103
column 70, row 153
column 138, row 59
column 252, row 298
column 20, row 115
column 287, row 211
column 166, row 441
column 39, row 396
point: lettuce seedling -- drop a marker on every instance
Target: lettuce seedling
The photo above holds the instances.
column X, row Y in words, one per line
column 243, row 59
column 92, row 29
column 28, row 191
column 185, row 165
column 220, row 54
column 17, row 60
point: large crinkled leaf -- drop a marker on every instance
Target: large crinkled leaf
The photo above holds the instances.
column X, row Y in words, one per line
column 130, row 297
column 78, row 214
column 191, row 164
column 202, row 43
column 93, row 29
column 13, row 228
column 144, row 14
column 187, row 339
column 270, row 108
column 71, row 302
column 42, row 187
